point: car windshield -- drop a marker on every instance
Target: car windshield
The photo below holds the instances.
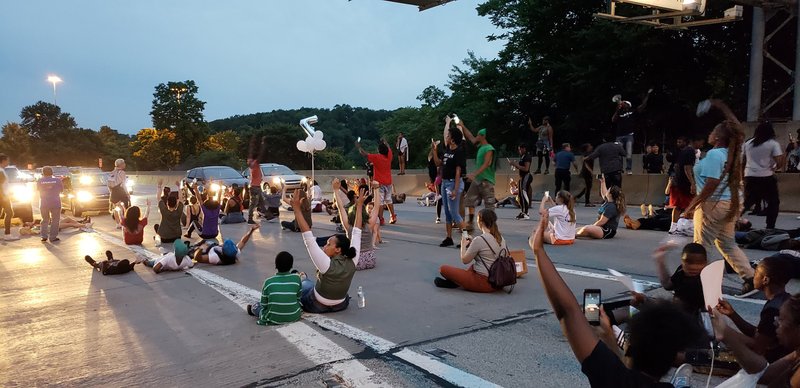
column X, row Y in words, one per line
column 221, row 173
column 60, row 171
column 276, row 170
column 90, row 180
column 12, row 173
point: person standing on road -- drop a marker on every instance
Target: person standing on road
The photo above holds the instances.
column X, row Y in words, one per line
column 653, row 161
column 5, row 200
column 587, row 173
column 255, row 180
column 402, row 152
column 682, row 188
column 762, row 157
column 525, row 179
column 119, row 198
column 382, row 162
column 610, row 155
column 544, row 143
column 452, row 162
column 50, row 189
column 718, row 177
column 625, row 117
column 564, row 159
column 483, row 178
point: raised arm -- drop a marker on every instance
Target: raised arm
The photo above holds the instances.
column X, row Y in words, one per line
column 147, row 209
column 341, row 201
column 643, row 105
column 246, row 236
column 436, row 159
column 298, row 213
column 660, row 257
column 361, row 150
column 467, row 133
column 576, row 328
column 159, row 186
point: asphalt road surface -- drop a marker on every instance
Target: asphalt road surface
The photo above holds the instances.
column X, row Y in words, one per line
column 65, row 324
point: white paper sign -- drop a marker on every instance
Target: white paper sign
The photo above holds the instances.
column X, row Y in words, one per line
column 711, row 278
column 626, row 280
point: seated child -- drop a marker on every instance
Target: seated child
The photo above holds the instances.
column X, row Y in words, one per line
column 280, row 296
column 562, row 230
column 685, row 282
column 173, row 261
column 111, row 266
column 771, row 277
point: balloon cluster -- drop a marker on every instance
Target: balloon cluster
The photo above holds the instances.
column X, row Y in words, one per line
column 313, row 142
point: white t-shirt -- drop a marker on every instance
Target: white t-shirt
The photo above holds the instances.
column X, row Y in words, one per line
column 562, row 227
column 761, row 159
column 168, row 262
column 316, row 193
column 404, row 148
column 215, row 252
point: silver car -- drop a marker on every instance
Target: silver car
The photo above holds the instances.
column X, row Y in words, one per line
column 274, row 174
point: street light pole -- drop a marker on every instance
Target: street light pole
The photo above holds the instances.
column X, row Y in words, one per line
column 54, row 79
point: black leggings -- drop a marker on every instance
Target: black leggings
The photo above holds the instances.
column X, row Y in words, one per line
column 7, row 211
column 562, row 177
column 765, row 188
column 524, row 193
column 587, row 180
column 543, row 154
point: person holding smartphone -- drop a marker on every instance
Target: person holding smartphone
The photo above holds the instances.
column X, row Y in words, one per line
column 453, row 162
column 657, row 333
column 525, row 180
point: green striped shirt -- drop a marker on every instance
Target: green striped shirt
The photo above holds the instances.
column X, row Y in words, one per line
column 280, row 299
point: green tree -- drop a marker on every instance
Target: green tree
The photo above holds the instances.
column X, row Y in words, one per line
column 114, row 146
column 16, row 143
column 177, row 108
column 155, row 149
column 227, row 141
column 43, row 119
column 432, row 96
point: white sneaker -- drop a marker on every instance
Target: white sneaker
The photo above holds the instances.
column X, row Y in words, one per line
column 630, row 172
column 525, row 216
column 438, row 220
column 10, row 237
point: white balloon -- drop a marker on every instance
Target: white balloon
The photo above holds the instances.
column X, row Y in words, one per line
column 321, row 145
column 318, row 135
column 302, row 146
column 310, row 141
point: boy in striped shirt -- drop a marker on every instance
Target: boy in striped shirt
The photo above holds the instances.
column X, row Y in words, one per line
column 280, row 297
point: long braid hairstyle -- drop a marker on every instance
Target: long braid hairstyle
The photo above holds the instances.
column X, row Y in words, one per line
column 732, row 134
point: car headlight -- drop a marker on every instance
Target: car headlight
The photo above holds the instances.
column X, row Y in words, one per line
column 85, row 180
column 304, row 180
column 37, row 176
column 215, row 187
column 21, row 193
column 129, row 184
column 84, row 196
column 276, row 180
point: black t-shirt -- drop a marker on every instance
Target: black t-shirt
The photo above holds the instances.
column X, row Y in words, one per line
column 654, row 163
column 688, row 290
column 609, row 210
column 452, row 159
column 626, row 124
column 766, row 326
column 605, row 369
column 686, row 157
column 522, row 160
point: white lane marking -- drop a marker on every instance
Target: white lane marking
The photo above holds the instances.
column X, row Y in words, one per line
column 375, row 343
column 453, row 375
column 321, row 351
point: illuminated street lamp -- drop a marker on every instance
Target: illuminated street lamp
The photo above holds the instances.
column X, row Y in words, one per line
column 179, row 92
column 54, row 79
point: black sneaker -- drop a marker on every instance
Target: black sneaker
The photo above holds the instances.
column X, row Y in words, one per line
column 250, row 310
column 447, row 242
column 444, row 283
column 519, row 216
column 748, row 289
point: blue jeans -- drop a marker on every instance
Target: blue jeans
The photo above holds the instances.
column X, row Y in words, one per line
column 257, row 307
column 627, row 144
column 451, row 213
column 309, row 302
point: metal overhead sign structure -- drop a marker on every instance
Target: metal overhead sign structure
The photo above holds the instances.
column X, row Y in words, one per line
column 670, row 14
column 422, row 4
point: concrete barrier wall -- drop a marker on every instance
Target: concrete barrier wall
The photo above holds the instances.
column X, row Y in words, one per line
column 638, row 188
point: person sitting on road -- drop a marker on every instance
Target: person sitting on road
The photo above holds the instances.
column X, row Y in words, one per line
column 112, row 266
column 171, row 209
column 226, row 254
column 280, row 296
column 660, row 219
column 233, row 209
column 193, row 217
column 305, row 211
column 209, row 214
column 658, row 333
column 513, row 199
column 772, row 274
column 272, row 202
column 562, row 230
column 336, row 262
column 133, row 225
column 685, row 281
column 784, row 372
column 480, row 253
column 367, row 257
column 609, row 212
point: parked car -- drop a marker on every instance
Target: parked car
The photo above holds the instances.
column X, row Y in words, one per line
column 86, row 192
column 274, row 174
column 220, row 175
column 59, row 171
column 21, row 190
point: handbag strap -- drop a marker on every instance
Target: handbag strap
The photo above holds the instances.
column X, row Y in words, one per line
column 491, row 249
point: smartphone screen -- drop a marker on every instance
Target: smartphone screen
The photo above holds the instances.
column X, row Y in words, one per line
column 591, row 306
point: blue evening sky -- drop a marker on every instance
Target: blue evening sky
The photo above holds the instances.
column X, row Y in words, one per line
column 246, row 56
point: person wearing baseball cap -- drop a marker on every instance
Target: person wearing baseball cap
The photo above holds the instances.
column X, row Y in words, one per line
column 483, row 178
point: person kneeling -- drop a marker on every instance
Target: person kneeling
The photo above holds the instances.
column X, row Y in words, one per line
column 480, row 254
column 280, row 296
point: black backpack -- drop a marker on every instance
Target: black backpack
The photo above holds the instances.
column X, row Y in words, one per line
column 503, row 271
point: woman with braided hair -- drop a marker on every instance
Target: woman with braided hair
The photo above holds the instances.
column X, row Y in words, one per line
column 718, row 178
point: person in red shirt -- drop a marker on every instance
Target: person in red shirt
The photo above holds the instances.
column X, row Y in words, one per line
column 255, row 179
column 382, row 162
column 133, row 226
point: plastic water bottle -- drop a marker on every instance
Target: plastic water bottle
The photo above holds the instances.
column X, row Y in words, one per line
column 157, row 239
column 362, row 301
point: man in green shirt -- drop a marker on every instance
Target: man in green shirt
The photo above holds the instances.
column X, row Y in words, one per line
column 280, row 297
column 483, row 178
